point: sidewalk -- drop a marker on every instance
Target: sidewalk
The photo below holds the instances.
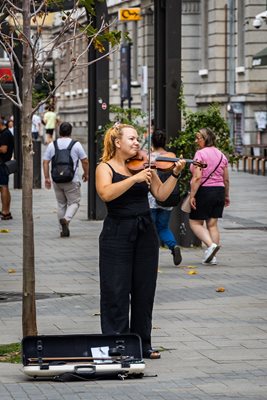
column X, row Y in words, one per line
column 215, row 344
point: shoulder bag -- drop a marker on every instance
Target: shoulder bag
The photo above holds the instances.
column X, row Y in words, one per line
column 11, row 166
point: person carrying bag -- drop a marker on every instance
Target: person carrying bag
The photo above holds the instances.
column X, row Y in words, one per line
column 209, row 197
column 186, row 204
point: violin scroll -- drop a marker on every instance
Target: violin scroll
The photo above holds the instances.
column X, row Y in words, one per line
column 199, row 164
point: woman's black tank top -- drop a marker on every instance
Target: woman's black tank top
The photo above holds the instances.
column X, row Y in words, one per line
column 132, row 203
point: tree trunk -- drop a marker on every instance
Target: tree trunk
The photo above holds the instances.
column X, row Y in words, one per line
column 28, row 299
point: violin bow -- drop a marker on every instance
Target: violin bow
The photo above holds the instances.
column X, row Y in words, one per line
column 149, row 130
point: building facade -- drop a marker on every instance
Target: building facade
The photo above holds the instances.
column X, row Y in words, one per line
column 218, row 42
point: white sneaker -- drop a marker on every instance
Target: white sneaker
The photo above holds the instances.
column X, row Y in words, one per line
column 212, row 262
column 210, row 252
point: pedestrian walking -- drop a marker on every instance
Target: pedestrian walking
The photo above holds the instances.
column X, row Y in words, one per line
column 209, row 193
column 10, row 125
column 50, row 120
column 6, row 152
column 161, row 214
column 128, row 243
column 66, row 183
column 36, row 126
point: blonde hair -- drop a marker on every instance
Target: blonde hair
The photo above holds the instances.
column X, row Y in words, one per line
column 113, row 133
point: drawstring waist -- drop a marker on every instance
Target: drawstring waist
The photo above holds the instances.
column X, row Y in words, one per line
column 119, row 216
column 140, row 222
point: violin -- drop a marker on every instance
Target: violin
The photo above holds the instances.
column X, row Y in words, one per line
column 169, row 159
column 163, row 162
column 139, row 162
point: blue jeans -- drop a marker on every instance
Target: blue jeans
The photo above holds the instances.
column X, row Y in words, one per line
column 161, row 219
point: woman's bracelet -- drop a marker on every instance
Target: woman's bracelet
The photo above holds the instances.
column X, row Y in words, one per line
column 176, row 176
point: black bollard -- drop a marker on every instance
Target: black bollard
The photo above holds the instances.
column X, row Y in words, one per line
column 37, row 176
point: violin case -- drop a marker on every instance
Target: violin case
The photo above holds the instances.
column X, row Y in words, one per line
column 82, row 356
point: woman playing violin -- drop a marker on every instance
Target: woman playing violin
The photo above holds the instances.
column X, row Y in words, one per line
column 128, row 243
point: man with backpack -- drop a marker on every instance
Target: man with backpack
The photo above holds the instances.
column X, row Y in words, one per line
column 64, row 155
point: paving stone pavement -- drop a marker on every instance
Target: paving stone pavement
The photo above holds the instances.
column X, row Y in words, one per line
column 214, row 345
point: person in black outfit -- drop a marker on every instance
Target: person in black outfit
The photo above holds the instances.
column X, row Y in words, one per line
column 161, row 214
column 128, row 243
column 6, row 151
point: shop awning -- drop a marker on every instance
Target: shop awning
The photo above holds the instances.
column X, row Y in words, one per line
column 260, row 58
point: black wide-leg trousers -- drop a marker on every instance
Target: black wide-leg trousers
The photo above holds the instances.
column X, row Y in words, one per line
column 128, row 257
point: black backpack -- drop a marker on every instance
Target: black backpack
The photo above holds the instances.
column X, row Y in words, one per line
column 62, row 170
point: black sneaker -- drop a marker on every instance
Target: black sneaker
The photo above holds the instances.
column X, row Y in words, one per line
column 176, row 252
column 65, row 228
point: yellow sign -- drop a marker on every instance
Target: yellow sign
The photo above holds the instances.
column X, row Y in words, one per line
column 130, row 14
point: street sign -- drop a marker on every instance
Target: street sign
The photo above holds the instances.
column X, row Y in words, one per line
column 104, row 106
column 130, row 14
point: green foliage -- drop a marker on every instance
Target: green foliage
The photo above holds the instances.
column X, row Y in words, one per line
column 185, row 144
column 89, row 5
column 130, row 116
column 10, row 353
column 41, row 88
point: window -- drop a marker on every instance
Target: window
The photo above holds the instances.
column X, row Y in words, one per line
column 204, row 35
column 240, row 34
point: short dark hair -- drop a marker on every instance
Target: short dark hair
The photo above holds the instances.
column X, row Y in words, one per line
column 65, row 129
column 158, row 139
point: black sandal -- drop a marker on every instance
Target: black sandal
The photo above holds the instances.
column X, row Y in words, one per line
column 151, row 354
column 6, row 216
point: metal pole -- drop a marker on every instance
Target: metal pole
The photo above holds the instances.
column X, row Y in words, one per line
column 91, row 133
column 98, row 113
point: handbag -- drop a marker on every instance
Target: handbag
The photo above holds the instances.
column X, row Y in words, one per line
column 186, row 206
column 11, row 166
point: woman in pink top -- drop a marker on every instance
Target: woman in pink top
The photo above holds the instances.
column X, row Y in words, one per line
column 209, row 193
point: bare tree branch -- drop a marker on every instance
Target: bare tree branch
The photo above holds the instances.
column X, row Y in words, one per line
column 39, row 9
column 12, row 5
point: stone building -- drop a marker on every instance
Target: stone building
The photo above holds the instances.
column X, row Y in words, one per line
column 219, row 42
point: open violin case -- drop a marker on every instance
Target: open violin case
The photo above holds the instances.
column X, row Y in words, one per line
column 83, row 356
